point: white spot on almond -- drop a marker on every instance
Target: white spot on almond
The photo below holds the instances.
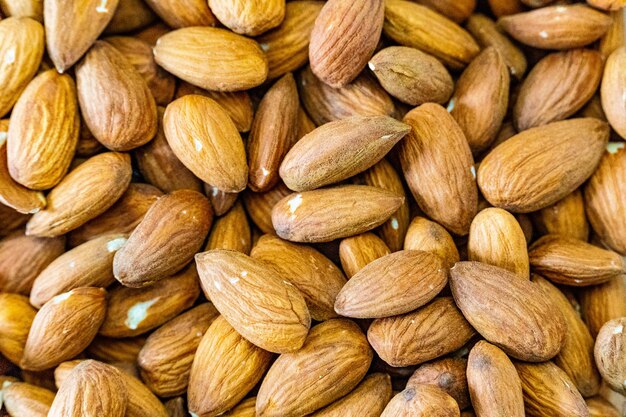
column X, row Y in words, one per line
column 371, row 66
column 102, row 7
column 618, row 330
column 115, row 244
column 244, row 274
column 197, row 144
column 473, row 171
column 294, row 203
column 217, row 285
column 394, row 224
column 62, row 297
column 614, row 147
column 138, row 313
column 265, row 171
column 561, row 9
column 215, row 191
column 543, row 34
column 9, row 57
column 233, row 280
column 451, row 105
column 265, row 47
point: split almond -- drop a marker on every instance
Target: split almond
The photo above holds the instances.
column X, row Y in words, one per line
column 22, row 399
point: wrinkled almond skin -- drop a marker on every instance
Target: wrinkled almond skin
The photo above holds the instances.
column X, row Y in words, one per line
column 610, row 351
column 231, row 231
column 330, row 213
column 26, row 8
column 64, row 327
column 494, row 386
column 83, row 194
column 183, row 13
column 452, row 9
column 249, row 17
column 448, row 374
column 566, row 217
column 520, row 176
column 368, row 399
column 344, row 37
column 43, row 131
column 16, row 318
column 490, row 296
column 429, row 236
column 603, row 302
column 424, row 334
column 438, row 167
column 357, row 251
column 213, row 59
column 422, row 401
column 166, row 240
column 259, row 206
column 613, row 89
column 357, row 143
column 246, row 408
column 165, row 359
column 314, row 275
column 206, row 141
column 22, row 399
column 279, row 322
column 235, row 365
column 336, row 350
column 557, row 87
column 574, row 262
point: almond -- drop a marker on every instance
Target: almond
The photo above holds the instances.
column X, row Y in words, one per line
column 454, row 10
column 183, row 13
column 214, row 59
column 22, row 399
column 447, row 374
column 231, row 231
column 167, row 238
column 426, row 235
column 358, row 251
column 358, row 143
column 221, row 201
column 368, row 399
column 246, row 408
column 249, row 17
column 599, row 407
column 613, row 90
column 490, row 296
column 28, row 8
column 422, row 401
column 336, row 350
column 43, row 131
column 130, row 15
column 603, row 302
column 519, row 175
column 259, row 206
column 330, row 213
column 111, row 350
column 236, row 366
column 422, row 335
column 566, row 217
column 614, row 37
column 609, row 352
column 64, row 327
column 16, row 318
column 438, row 167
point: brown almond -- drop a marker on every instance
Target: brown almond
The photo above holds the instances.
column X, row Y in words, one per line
column 358, row 251
column 259, row 206
column 16, row 319
column 448, row 374
column 246, row 408
column 111, row 350
column 221, row 201
column 22, row 399
column 28, row 8
column 368, row 399
column 566, row 217
column 614, row 37
column 603, row 302
column 452, row 9
column 183, row 13
column 231, row 231
column 129, row 16
column 249, row 17
column 599, row 407
column 428, row 236
column 609, row 352
column 176, row 407
column 422, row 401
column 613, row 90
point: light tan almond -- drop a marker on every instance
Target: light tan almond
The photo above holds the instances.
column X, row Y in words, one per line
column 422, row 401
column 358, row 251
column 22, row 399
column 599, row 407
column 609, row 352
column 246, row 408
column 249, row 17
column 613, row 90
column 16, row 318
column 566, row 217
column 231, row 231
column 603, row 302
column 368, row 399
column 183, row 13
column 426, row 235
column 23, row 8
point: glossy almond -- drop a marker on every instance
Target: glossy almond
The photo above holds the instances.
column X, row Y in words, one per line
column 259, row 206
column 448, row 374
column 428, row 236
column 358, row 251
column 422, row 401
column 166, row 240
column 16, row 318
column 183, row 13
column 231, row 231
column 566, row 217
column 368, row 399
column 22, row 399
column 111, row 350
column 613, row 87
column 249, row 17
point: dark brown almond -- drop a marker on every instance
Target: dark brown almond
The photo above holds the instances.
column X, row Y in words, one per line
column 566, row 217
column 447, row 374
column 426, row 235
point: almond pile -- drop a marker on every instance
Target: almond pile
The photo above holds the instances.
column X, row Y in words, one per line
column 341, row 208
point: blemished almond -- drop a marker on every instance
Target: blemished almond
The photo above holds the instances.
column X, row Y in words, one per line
column 23, row 257
column 417, row 26
column 603, row 302
column 613, row 90
column 330, row 213
column 362, row 97
column 111, row 350
column 493, row 299
column 27, row 8
column 487, row 34
column 422, row 335
column 605, row 196
column 479, row 103
column 570, row 261
column 231, row 231
column 314, row 275
column 134, row 311
column 439, row 168
column 496, row 238
column 87, row 265
column 609, row 352
column 206, row 141
column 183, row 13
column 343, row 39
column 422, row 401
column 412, row 76
column 426, row 235
column 394, row 284
column 599, row 407
column 358, row 143
column 549, row 391
column 214, row 59
column 259, row 206
column 448, row 374
column 165, row 359
column 273, row 133
column 43, row 131
column 566, row 217
column 92, row 389
column 236, row 366
column 287, row 46
column 129, row 16
column 166, row 240
column 22, row 399
column 249, row 17
column 86, row 192
column 279, row 322
column 337, row 350
column 64, row 327
column 557, row 87
column 16, row 318
column 368, row 399
column 22, row 40
column 557, row 27
column 357, row 251
column 494, row 386
column 576, row 355
column 520, row 176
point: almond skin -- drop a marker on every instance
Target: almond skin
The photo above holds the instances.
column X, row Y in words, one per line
column 329, row 213
column 422, row 401
column 231, row 231
column 30, row 8
column 599, row 407
column 22, row 399
column 16, row 319
column 394, row 284
column 279, row 322
column 357, row 144
column 336, row 350
column 357, row 251
column 454, row 10
column 166, row 240
column 130, row 15
column 43, row 132
column 183, row 13
column 214, row 59
column 520, row 176
column 494, row 385
column 490, row 296
column 368, row 399
column 438, row 167
column 85, row 193
column 566, row 217
column 112, row 350
column 557, row 87
column 246, row 408
column 422, row 335
column 603, row 302
column 609, row 352
column 259, row 206
column 447, row 374
column 344, row 37
column 206, row 141
column 426, row 235
column 613, row 87
column 236, row 366
column 247, row 17
column 64, row 327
